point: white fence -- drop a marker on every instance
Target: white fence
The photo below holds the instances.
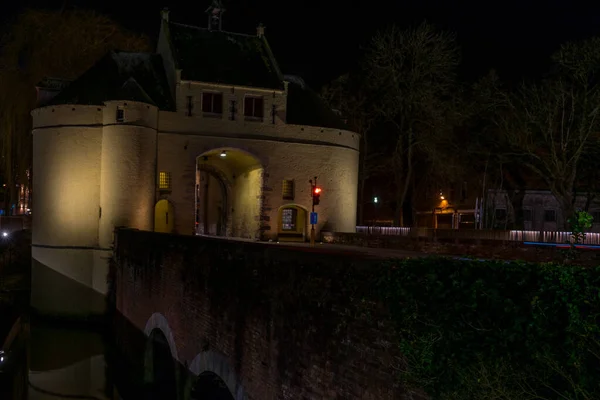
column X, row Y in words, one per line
column 591, row 238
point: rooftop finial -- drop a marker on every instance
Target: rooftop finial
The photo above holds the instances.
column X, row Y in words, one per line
column 260, row 30
column 164, row 13
column 215, row 15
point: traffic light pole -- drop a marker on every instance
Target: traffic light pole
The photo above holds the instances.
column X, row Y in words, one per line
column 312, row 195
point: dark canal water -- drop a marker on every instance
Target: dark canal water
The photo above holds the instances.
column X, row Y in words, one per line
column 56, row 361
column 42, row 359
column 46, row 359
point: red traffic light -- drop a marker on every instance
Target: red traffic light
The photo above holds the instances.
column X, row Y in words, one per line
column 316, row 195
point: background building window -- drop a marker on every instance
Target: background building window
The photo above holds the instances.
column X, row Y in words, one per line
column 288, row 219
column 288, row 189
column 549, row 216
column 596, row 216
column 232, row 110
column 254, row 108
column 164, row 180
column 190, row 106
column 120, row 115
column 527, row 215
column 212, row 103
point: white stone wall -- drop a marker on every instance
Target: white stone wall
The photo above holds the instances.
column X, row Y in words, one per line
column 66, row 176
column 128, row 178
column 277, row 98
column 335, row 165
column 170, row 122
column 67, row 115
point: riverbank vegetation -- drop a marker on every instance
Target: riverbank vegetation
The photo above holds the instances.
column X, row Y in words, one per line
column 495, row 330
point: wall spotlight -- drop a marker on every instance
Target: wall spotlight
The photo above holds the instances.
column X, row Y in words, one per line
column 223, row 153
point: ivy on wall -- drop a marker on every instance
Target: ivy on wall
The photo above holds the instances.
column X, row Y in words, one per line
column 496, row 330
column 458, row 329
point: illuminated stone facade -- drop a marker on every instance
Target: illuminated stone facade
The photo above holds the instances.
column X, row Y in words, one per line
column 135, row 141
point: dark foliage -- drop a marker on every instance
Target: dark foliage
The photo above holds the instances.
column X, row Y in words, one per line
column 473, row 330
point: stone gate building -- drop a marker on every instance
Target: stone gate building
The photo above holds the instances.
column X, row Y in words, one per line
column 205, row 136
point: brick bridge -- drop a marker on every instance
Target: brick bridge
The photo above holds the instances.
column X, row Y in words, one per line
column 204, row 318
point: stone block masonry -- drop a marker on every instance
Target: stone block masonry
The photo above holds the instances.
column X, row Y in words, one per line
column 273, row 322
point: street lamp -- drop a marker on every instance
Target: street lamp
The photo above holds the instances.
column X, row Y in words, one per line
column 375, row 200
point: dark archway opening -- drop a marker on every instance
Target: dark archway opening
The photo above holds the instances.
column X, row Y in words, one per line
column 229, row 188
column 209, row 386
column 163, row 385
column 212, row 202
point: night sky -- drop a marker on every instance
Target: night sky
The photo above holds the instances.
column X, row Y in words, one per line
column 320, row 41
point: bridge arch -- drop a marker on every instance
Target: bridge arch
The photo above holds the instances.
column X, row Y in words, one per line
column 208, row 364
column 161, row 374
column 158, row 321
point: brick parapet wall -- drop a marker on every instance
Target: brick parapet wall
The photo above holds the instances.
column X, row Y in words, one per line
column 291, row 323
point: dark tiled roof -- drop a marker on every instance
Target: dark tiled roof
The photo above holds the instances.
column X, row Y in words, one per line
column 305, row 107
column 223, row 57
column 53, row 83
column 121, row 76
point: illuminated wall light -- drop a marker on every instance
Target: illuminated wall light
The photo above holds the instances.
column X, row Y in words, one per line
column 223, row 153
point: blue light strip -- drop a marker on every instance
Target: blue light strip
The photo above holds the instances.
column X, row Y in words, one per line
column 564, row 245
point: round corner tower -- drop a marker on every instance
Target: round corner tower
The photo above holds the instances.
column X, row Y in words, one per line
column 93, row 170
column 128, row 178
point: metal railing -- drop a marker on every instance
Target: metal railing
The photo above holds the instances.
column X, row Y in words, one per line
column 591, row 238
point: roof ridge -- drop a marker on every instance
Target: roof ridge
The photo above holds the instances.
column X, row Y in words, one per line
column 132, row 80
column 272, row 57
column 117, row 51
column 209, row 30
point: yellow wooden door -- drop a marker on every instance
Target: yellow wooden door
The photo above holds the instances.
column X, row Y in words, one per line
column 164, row 217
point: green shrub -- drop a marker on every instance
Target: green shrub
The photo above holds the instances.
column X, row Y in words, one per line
column 496, row 330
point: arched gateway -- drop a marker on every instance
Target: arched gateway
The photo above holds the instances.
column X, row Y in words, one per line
column 229, row 185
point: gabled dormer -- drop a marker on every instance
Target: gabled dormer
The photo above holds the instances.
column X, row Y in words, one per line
column 204, row 65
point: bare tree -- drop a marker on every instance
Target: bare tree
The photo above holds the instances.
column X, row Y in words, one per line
column 551, row 124
column 412, row 73
column 489, row 156
column 350, row 96
column 43, row 43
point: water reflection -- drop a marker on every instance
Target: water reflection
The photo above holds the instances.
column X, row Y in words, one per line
column 66, row 362
column 53, row 362
column 46, row 360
